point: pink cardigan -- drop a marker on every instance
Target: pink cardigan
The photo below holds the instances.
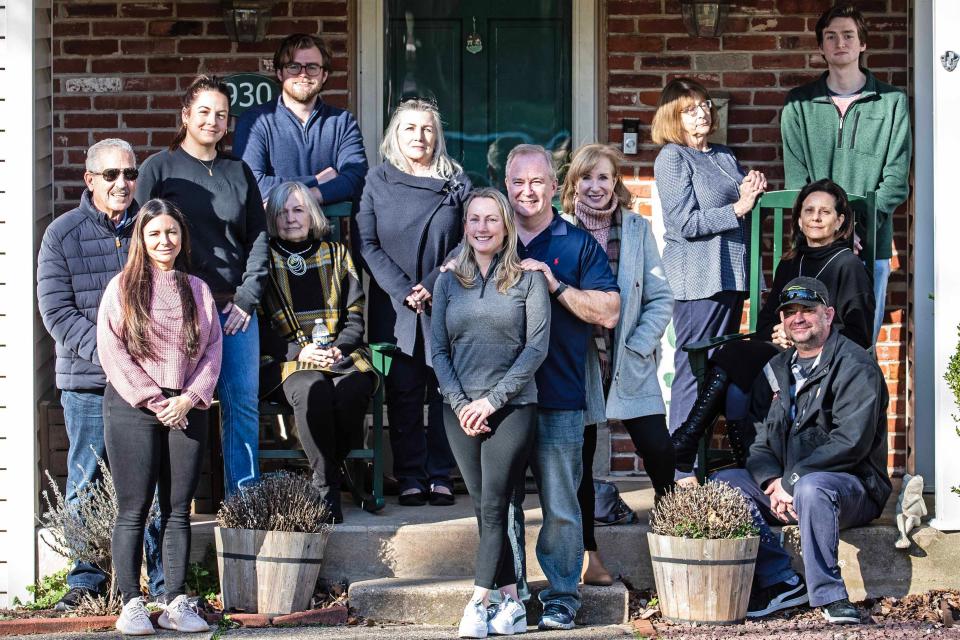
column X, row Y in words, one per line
column 139, row 382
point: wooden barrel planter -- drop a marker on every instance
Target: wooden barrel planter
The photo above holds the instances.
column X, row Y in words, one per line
column 269, row 572
column 705, row 581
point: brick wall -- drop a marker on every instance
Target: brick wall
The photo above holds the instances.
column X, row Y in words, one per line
column 121, row 67
column 769, row 47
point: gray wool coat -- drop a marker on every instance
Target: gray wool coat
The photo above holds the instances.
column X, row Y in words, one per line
column 646, row 306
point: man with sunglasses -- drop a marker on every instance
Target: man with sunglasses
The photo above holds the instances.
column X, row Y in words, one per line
column 300, row 137
column 819, row 458
column 80, row 253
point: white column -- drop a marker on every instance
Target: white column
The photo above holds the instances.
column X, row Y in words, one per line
column 946, row 181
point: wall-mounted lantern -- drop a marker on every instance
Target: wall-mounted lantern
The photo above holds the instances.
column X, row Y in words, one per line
column 705, row 18
column 246, row 20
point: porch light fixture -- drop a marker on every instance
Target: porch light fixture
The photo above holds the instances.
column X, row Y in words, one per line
column 705, row 18
column 246, row 20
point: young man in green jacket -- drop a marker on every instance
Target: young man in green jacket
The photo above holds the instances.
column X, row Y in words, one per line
column 850, row 127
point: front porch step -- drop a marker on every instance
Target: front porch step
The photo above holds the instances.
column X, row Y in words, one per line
column 440, row 600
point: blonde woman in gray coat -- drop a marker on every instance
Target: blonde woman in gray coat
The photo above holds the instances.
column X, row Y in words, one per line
column 622, row 365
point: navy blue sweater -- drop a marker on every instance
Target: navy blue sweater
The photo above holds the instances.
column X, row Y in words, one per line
column 278, row 148
column 80, row 253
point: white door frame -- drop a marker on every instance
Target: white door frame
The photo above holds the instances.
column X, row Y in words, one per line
column 946, row 228
column 371, row 29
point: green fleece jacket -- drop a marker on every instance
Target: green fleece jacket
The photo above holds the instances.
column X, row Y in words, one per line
column 868, row 149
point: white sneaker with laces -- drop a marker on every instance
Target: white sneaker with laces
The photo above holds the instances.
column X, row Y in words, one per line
column 473, row 624
column 180, row 615
column 510, row 618
column 134, row 619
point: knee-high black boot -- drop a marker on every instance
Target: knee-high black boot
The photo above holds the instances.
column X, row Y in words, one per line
column 740, row 434
column 687, row 436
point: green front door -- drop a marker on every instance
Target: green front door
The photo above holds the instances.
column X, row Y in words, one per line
column 499, row 71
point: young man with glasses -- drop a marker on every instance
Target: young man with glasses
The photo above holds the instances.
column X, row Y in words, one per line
column 848, row 126
column 819, row 458
column 299, row 136
column 80, row 253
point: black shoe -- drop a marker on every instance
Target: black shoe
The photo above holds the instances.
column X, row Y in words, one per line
column 776, row 597
column 417, row 499
column 841, row 612
column 439, row 499
column 740, row 435
column 72, row 598
column 686, row 439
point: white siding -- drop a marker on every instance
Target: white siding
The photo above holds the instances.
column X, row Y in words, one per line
column 25, row 205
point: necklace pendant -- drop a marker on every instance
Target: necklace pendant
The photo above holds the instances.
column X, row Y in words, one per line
column 296, row 264
column 210, row 172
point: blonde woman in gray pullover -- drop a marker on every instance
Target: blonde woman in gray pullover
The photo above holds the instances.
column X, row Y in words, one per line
column 491, row 330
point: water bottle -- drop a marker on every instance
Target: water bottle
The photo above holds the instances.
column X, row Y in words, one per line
column 321, row 336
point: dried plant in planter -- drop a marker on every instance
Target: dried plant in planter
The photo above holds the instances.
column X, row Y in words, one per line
column 712, row 511
column 281, row 501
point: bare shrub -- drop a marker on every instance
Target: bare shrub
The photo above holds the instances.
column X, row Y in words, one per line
column 98, row 605
column 714, row 510
column 281, row 501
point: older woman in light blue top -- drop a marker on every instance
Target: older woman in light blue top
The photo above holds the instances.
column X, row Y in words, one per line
column 705, row 196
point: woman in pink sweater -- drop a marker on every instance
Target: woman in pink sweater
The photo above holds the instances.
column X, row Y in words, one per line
column 159, row 341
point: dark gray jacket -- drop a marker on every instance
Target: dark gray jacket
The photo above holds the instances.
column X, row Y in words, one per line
column 80, row 253
column 840, row 423
column 490, row 344
column 408, row 225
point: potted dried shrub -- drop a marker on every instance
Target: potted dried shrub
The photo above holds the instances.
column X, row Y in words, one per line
column 270, row 544
column 703, row 546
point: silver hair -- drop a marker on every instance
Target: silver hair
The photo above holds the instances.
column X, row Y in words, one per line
column 319, row 224
column 442, row 165
column 93, row 153
column 531, row 150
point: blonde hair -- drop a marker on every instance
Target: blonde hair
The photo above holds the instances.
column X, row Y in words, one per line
column 585, row 160
column 319, row 225
column 678, row 95
column 441, row 165
column 508, row 271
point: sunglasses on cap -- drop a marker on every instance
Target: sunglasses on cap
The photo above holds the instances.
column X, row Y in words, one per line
column 801, row 295
column 112, row 174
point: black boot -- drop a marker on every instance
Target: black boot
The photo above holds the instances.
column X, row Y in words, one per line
column 740, row 434
column 686, row 439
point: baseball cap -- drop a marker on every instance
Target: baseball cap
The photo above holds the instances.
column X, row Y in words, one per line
column 808, row 292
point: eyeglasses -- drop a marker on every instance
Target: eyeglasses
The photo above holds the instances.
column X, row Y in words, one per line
column 706, row 105
column 295, row 68
column 110, row 175
column 801, row 294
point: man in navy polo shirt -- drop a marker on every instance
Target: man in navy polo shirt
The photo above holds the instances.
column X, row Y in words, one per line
column 300, row 137
column 584, row 293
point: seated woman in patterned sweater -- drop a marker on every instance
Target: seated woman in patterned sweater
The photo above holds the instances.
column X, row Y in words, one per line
column 328, row 382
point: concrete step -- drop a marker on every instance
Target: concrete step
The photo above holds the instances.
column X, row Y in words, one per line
column 440, row 600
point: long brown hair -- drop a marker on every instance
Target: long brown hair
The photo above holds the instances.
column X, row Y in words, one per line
column 841, row 204
column 136, row 285
column 585, row 160
column 198, row 86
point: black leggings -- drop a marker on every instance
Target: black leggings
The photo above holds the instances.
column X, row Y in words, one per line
column 329, row 412
column 145, row 457
column 652, row 442
column 491, row 466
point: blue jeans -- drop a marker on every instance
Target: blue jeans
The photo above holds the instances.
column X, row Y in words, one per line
column 881, row 275
column 825, row 502
column 557, row 468
column 83, row 415
column 237, row 389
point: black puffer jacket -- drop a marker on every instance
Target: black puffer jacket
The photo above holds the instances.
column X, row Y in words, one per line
column 80, row 253
column 840, row 424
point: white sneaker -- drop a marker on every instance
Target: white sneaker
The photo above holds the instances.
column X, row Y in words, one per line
column 180, row 615
column 473, row 624
column 134, row 619
column 509, row 618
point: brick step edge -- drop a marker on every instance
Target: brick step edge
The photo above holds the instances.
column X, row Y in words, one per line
column 331, row 616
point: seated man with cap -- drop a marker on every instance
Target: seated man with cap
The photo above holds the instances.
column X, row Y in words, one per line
column 819, row 458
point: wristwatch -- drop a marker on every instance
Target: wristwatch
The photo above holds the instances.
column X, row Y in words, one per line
column 560, row 289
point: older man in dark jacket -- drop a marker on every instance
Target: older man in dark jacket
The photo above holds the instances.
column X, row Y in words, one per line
column 80, row 253
column 819, row 458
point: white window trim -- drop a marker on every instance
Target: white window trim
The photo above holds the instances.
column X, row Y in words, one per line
column 584, row 60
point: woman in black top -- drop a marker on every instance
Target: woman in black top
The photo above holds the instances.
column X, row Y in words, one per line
column 410, row 221
column 218, row 195
column 821, row 248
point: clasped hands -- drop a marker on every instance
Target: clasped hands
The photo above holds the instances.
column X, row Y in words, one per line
column 473, row 417
column 174, row 412
column 781, row 502
column 312, row 354
column 418, row 299
column 753, row 184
